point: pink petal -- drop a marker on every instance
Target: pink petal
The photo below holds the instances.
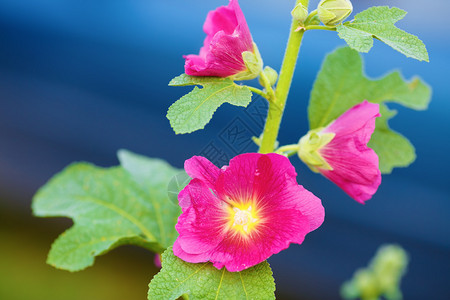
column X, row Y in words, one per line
column 271, row 179
column 356, row 172
column 360, row 119
column 222, row 19
column 192, row 258
column 237, row 253
column 355, row 166
column 201, row 168
column 200, row 226
column 242, row 26
column 227, row 37
column 310, row 206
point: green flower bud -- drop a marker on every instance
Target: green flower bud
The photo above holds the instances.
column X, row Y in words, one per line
column 309, row 147
column 254, row 63
column 314, row 20
column 300, row 13
column 271, row 75
column 333, row 12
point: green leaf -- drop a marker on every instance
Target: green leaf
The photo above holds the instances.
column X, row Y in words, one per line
column 378, row 22
column 154, row 175
column 109, row 208
column 393, row 149
column 194, row 110
column 341, row 84
column 176, row 184
column 204, row 281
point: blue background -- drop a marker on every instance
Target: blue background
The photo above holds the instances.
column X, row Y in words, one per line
column 81, row 79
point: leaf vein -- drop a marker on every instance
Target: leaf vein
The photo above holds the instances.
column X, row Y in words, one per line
column 206, row 99
column 243, row 285
column 121, row 212
column 181, row 282
column 220, row 284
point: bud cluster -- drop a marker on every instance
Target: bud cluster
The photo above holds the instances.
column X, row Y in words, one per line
column 381, row 278
column 328, row 12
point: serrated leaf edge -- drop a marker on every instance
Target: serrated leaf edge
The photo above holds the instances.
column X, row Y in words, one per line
column 347, row 25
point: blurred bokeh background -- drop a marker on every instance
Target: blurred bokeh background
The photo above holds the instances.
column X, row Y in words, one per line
column 81, row 79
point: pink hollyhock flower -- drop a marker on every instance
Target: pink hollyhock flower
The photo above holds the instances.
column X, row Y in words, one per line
column 228, row 49
column 340, row 153
column 240, row 215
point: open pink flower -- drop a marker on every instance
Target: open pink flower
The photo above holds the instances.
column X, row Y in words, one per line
column 228, row 39
column 340, row 153
column 240, row 215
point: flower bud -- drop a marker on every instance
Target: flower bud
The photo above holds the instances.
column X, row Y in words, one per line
column 253, row 62
column 309, row 147
column 333, row 12
column 300, row 13
column 314, row 20
column 271, row 75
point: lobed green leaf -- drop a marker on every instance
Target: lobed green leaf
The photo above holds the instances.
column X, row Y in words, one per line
column 204, row 281
column 341, row 84
column 378, row 22
column 194, row 110
column 110, row 207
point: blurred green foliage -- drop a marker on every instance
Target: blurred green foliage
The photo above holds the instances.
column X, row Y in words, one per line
column 24, row 275
column 381, row 278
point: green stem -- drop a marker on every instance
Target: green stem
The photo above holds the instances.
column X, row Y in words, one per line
column 276, row 108
column 287, row 148
column 258, row 91
column 321, row 27
column 311, row 15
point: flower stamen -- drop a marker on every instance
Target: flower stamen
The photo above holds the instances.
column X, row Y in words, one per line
column 243, row 218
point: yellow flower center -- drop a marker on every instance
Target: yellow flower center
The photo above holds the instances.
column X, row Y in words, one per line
column 243, row 219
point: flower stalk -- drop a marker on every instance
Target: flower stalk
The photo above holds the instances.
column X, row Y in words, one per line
column 320, row 27
column 276, row 108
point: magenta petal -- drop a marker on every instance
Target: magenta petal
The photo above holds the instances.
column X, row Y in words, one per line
column 201, row 168
column 201, row 224
column 310, row 206
column 255, row 175
column 356, row 173
column 284, row 226
column 222, row 19
column 355, row 166
column 225, row 55
column 192, row 258
column 259, row 190
column 359, row 120
column 242, row 26
column 227, row 37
